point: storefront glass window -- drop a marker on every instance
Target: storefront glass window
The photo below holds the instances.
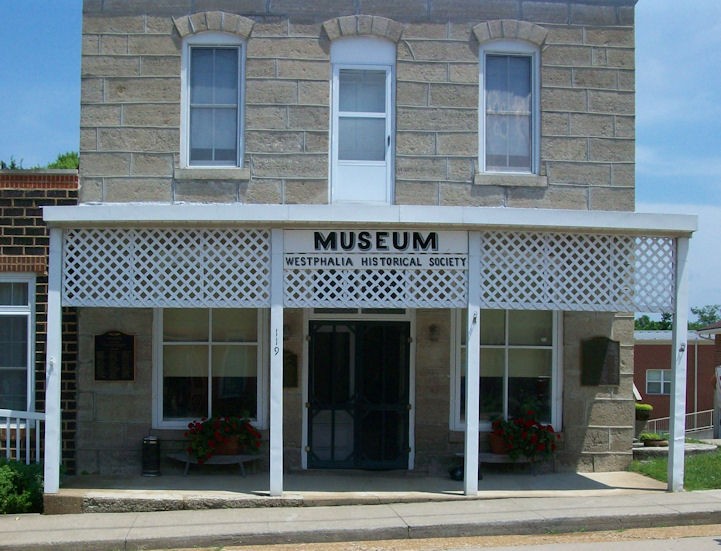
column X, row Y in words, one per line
column 210, row 363
column 517, row 365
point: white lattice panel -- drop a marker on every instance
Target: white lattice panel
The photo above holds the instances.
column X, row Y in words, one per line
column 166, row 268
column 375, row 288
column 231, row 268
column 655, row 274
column 578, row 272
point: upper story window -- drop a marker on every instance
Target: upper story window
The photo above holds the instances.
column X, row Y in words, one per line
column 362, row 120
column 16, row 341
column 509, row 121
column 212, row 100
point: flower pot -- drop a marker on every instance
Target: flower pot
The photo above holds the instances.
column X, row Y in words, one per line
column 655, row 443
column 497, row 444
column 230, row 447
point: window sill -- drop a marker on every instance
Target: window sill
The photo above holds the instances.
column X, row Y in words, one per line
column 510, row 180
column 211, row 174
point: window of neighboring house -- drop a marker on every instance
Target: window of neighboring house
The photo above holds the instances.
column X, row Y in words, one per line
column 208, row 363
column 17, row 312
column 519, row 366
column 509, row 125
column 212, row 101
column 658, row 381
column 362, row 133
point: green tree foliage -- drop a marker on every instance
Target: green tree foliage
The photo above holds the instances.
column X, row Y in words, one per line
column 644, row 323
column 69, row 160
column 705, row 316
column 21, row 487
column 12, row 165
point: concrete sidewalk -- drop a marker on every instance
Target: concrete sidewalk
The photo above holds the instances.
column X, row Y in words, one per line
column 264, row 525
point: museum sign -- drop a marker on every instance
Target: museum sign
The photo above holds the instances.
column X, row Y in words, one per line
column 375, row 250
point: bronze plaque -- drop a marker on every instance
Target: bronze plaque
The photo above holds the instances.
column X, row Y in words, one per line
column 114, row 357
column 600, row 361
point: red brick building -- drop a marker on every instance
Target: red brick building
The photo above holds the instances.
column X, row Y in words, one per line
column 652, row 370
column 24, row 244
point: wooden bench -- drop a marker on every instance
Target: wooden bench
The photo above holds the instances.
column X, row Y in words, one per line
column 240, row 460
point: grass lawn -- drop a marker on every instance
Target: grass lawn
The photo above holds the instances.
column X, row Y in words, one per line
column 702, row 471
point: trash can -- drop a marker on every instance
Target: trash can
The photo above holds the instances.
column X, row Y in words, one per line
column 151, row 456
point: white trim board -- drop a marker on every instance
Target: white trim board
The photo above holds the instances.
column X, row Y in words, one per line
column 163, row 214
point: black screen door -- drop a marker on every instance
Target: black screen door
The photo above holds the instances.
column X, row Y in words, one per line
column 358, row 394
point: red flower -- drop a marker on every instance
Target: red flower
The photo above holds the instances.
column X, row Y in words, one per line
column 206, row 436
column 526, row 436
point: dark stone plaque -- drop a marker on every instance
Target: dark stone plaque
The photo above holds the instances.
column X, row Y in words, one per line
column 114, row 357
column 600, row 361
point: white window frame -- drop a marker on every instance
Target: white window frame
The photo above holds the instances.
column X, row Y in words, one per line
column 518, row 48
column 457, row 423
column 666, row 378
column 210, row 40
column 28, row 311
column 363, row 53
column 263, row 362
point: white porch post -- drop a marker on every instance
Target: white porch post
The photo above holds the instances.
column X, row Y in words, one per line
column 678, row 366
column 473, row 353
column 276, row 363
column 53, row 364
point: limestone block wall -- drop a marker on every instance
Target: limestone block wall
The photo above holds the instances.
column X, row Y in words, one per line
column 598, row 421
column 435, row 446
column 114, row 416
column 130, row 116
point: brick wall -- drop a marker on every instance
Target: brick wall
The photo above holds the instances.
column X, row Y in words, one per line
column 658, row 356
column 24, row 242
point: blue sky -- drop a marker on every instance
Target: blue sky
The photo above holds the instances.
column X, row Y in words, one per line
column 678, row 126
column 678, row 108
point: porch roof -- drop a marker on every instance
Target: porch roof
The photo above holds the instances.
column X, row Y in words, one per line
column 490, row 218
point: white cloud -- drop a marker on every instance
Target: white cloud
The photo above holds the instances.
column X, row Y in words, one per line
column 705, row 251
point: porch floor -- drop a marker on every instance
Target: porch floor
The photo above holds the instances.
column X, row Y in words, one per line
column 220, row 489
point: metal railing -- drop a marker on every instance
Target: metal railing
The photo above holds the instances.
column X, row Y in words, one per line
column 695, row 422
column 20, row 435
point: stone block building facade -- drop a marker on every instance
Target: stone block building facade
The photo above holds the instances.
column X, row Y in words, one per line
column 369, row 182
